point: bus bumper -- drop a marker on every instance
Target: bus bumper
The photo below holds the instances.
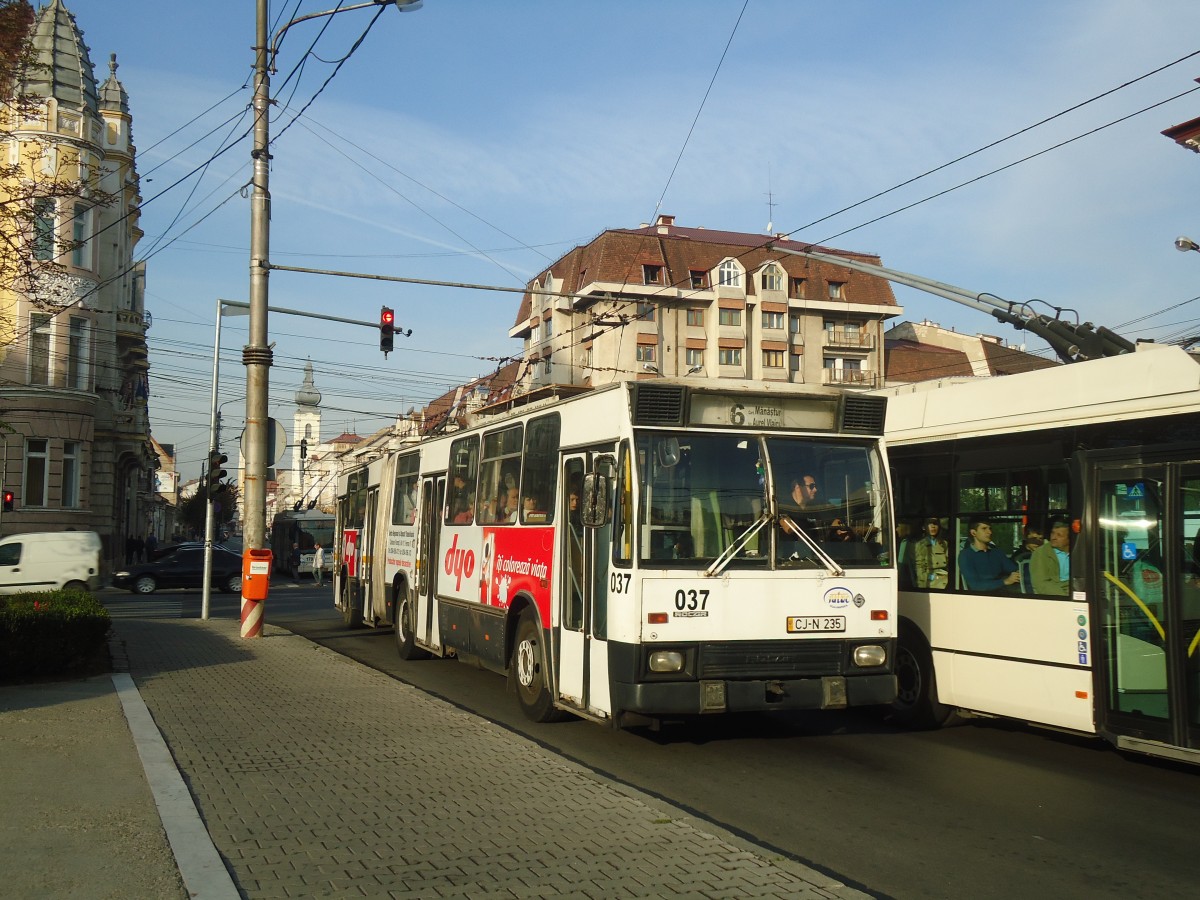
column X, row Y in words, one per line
column 685, row 698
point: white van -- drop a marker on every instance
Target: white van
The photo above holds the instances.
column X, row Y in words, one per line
column 50, row 560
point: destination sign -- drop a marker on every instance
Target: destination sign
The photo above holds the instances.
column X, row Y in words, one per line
column 731, row 410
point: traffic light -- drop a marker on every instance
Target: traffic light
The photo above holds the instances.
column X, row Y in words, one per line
column 216, row 459
column 303, row 448
column 387, row 329
column 9, row 497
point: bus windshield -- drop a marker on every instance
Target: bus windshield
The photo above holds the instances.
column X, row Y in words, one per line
column 703, row 493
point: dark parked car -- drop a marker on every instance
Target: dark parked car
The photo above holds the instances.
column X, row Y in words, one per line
column 183, row 567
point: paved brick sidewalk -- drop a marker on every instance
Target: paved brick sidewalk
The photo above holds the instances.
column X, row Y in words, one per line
column 317, row 776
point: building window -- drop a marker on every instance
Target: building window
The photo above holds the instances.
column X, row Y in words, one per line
column 70, row 475
column 693, row 356
column 837, row 290
column 793, row 323
column 647, row 353
column 645, row 311
column 548, row 324
column 78, row 354
column 39, row 348
column 308, row 431
column 546, row 366
column 772, row 320
column 772, row 278
column 796, row 288
column 695, row 317
column 698, row 279
column 535, row 333
column 43, row 229
column 794, row 359
column 772, row 359
column 729, row 274
column 81, row 237
column 730, row 356
column 652, row 274
column 36, row 473
column 730, row 317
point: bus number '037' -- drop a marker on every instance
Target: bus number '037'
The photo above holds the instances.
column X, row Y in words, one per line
column 692, row 599
column 618, row 583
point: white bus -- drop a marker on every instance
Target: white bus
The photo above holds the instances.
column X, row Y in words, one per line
column 635, row 552
column 1110, row 448
column 306, row 527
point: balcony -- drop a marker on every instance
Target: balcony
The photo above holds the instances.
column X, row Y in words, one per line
column 861, row 378
column 850, row 340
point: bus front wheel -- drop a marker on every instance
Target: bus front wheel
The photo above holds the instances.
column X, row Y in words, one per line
column 916, row 704
column 529, row 670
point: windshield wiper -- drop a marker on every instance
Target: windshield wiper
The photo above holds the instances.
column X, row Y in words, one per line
column 718, row 565
column 828, row 561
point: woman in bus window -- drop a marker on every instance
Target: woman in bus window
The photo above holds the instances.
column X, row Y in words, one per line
column 933, row 558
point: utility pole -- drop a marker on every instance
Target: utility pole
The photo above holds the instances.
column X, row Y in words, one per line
column 256, row 355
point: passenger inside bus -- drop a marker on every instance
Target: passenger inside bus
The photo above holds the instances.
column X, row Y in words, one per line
column 982, row 566
column 1050, row 564
column 932, row 557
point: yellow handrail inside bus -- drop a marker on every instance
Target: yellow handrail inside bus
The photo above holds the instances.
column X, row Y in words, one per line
column 1138, row 600
column 1192, row 646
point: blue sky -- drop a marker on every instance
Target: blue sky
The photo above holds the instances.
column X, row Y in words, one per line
column 476, row 141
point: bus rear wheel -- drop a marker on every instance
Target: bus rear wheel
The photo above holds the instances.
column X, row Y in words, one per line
column 528, row 668
column 916, row 705
column 404, row 623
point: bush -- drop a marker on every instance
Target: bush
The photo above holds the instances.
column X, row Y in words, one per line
column 50, row 633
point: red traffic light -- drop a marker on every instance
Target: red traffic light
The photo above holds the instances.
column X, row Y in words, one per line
column 387, row 317
column 9, row 497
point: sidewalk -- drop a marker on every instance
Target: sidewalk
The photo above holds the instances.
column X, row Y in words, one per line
column 315, row 776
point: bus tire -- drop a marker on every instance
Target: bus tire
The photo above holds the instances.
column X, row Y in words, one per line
column 916, row 705
column 404, row 627
column 529, row 670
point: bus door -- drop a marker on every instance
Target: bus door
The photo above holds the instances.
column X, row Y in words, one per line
column 367, row 559
column 433, row 497
column 580, row 614
column 1146, row 605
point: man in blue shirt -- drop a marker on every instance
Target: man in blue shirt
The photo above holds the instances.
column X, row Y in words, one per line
column 982, row 566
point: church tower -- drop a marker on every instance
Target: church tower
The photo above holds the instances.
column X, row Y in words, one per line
column 306, row 424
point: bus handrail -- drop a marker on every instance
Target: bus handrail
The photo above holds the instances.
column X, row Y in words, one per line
column 1138, row 600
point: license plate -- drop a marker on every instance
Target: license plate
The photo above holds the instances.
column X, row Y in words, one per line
column 797, row 624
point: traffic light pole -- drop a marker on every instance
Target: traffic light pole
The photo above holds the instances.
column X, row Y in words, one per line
column 209, row 514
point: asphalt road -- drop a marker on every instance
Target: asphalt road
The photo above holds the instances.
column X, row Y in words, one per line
column 984, row 810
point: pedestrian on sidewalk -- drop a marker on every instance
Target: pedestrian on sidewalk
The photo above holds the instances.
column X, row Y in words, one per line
column 318, row 563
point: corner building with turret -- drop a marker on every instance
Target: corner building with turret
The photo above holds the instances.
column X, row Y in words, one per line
column 76, row 450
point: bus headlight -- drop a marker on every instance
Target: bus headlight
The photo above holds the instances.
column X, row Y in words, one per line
column 666, row 661
column 869, row 655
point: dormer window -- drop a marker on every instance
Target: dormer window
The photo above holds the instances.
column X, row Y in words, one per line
column 837, row 290
column 729, row 274
column 772, row 278
column 698, row 279
column 652, row 274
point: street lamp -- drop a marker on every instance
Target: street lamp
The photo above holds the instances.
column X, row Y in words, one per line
column 1184, row 244
column 257, row 355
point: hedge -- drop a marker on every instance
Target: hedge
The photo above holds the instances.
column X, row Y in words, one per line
column 49, row 633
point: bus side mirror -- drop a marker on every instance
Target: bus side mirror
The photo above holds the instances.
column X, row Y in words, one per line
column 594, row 501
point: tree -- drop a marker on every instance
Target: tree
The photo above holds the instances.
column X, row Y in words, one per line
column 30, row 189
column 192, row 511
